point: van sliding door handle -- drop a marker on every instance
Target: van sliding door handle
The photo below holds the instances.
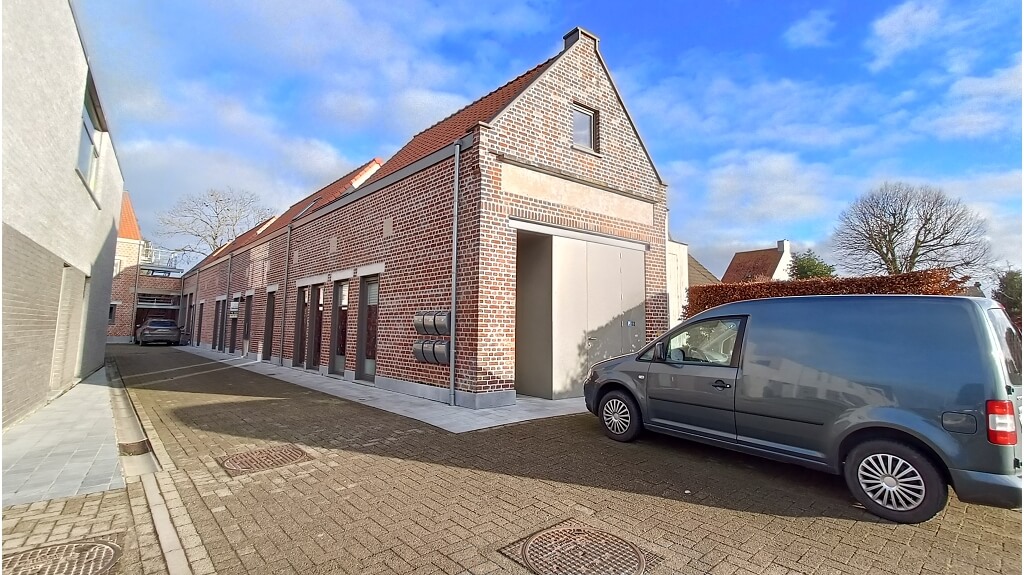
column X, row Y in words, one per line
column 721, row 385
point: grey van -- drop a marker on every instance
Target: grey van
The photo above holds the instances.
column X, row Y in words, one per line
column 902, row 395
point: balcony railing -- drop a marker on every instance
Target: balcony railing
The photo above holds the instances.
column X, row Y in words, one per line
column 159, row 257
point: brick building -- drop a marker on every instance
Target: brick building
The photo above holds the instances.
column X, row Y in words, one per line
column 561, row 247
column 61, row 191
column 147, row 280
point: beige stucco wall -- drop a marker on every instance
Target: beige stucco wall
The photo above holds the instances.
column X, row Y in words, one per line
column 541, row 186
column 677, row 273
column 44, row 199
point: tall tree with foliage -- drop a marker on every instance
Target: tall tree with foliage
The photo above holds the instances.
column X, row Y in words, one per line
column 810, row 265
column 212, row 219
column 900, row 228
column 1008, row 291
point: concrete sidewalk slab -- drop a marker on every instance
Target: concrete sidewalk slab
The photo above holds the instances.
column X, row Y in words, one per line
column 66, row 448
column 444, row 416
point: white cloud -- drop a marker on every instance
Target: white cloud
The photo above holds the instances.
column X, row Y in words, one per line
column 315, row 160
column 902, row 29
column 977, row 106
column 416, row 109
column 810, row 31
column 162, row 170
column 763, row 185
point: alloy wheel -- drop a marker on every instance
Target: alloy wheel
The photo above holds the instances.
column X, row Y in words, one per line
column 616, row 416
column 891, row 482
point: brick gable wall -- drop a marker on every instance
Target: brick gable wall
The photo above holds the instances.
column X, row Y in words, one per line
column 536, row 130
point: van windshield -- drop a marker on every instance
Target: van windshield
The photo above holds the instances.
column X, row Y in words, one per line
column 1009, row 341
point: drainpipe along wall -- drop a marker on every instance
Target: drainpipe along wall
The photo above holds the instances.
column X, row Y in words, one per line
column 135, row 296
column 284, row 298
column 455, row 260
column 226, row 310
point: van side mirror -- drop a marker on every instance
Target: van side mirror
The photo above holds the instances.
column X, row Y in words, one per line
column 659, row 351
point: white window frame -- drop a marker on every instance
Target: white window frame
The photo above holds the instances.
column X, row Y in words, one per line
column 592, row 114
column 88, row 132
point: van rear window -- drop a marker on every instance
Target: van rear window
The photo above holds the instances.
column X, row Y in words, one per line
column 163, row 323
column 1009, row 341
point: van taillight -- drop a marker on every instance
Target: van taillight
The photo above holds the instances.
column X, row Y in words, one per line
column 1001, row 427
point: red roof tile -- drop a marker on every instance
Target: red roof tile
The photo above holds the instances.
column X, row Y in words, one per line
column 745, row 266
column 318, row 198
column 129, row 226
column 455, row 126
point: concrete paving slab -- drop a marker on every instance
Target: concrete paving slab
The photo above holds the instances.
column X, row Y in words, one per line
column 444, row 416
column 65, row 448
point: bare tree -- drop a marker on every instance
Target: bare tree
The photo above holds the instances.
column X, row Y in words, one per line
column 212, row 219
column 899, row 228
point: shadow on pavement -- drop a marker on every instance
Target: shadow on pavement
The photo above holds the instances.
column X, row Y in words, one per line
column 568, row 449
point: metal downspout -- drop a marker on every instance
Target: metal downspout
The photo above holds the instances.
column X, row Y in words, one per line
column 197, row 320
column 455, row 260
column 226, row 309
column 135, row 296
column 284, row 298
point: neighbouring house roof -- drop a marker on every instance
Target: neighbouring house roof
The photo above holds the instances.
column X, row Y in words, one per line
column 455, row 126
column 698, row 274
column 319, row 198
column 128, row 228
column 745, row 266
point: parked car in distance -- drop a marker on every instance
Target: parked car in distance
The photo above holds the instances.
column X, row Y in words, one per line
column 902, row 395
column 158, row 330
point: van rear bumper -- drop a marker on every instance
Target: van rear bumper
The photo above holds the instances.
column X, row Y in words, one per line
column 987, row 488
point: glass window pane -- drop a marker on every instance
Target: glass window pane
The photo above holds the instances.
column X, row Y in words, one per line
column 85, row 155
column 705, row 342
column 582, row 129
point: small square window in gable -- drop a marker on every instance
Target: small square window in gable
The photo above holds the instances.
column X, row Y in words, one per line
column 584, row 127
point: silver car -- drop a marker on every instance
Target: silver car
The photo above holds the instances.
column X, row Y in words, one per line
column 158, row 330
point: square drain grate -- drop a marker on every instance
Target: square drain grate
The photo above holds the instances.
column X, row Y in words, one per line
column 577, row 548
column 263, row 458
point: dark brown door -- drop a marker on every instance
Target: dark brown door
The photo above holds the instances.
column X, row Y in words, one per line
column 340, row 325
column 316, row 319
column 268, row 326
column 366, row 359
column 301, row 312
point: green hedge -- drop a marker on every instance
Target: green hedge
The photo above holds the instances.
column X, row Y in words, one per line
column 927, row 282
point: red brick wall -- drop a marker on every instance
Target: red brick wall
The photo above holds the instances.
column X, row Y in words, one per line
column 123, row 288
column 417, row 257
column 537, row 129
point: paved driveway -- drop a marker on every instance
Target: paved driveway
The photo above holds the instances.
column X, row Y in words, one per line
column 388, row 494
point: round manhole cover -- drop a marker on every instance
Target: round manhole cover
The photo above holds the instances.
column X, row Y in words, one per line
column 582, row 551
column 82, row 558
column 265, row 458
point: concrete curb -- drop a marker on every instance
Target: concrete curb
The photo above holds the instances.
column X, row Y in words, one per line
column 138, row 451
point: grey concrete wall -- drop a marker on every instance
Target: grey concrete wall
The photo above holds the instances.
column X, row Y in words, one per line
column 533, row 315
column 48, row 204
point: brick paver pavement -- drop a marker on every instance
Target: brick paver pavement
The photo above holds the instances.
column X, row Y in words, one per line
column 105, row 515
column 389, row 494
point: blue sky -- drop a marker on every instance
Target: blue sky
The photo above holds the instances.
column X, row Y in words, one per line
column 766, row 118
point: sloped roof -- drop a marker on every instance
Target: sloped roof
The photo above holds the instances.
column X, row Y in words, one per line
column 698, row 274
column 319, row 198
column 745, row 266
column 455, row 126
column 128, row 228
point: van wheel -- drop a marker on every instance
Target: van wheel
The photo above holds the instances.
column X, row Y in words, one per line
column 619, row 415
column 895, row 481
